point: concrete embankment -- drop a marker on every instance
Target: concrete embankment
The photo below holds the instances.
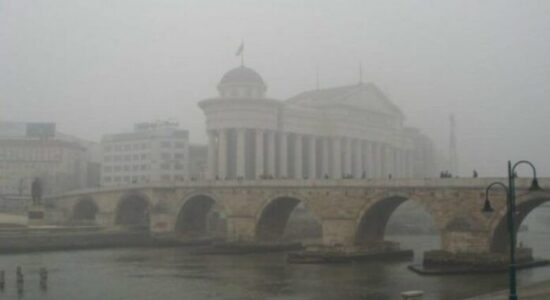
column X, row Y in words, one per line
column 54, row 239
column 536, row 291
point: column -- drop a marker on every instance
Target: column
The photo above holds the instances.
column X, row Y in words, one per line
column 347, row 156
column 377, row 162
column 271, row 153
column 367, row 161
column 283, row 153
column 358, row 160
column 336, row 158
column 388, row 161
column 222, row 154
column 240, row 152
column 312, row 159
column 410, row 163
column 325, row 153
column 298, row 157
column 211, row 160
column 259, row 153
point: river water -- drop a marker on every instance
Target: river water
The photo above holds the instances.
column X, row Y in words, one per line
column 172, row 273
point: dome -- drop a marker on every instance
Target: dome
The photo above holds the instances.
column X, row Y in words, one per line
column 242, row 82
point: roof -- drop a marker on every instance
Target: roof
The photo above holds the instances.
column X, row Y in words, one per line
column 364, row 96
column 241, row 75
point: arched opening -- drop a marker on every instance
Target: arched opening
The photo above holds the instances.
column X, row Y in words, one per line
column 395, row 222
column 287, row 219
column 531, row 225
column 133, row 211
column 200, row 217
column 85, row 210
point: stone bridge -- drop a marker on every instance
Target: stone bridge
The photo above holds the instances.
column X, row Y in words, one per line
column 350, row 211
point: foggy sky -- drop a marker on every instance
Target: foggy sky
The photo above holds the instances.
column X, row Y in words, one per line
column 97, row 67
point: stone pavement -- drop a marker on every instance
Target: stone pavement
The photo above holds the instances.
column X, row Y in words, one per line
column 536, row 291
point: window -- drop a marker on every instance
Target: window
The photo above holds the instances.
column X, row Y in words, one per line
column 178, row 155
column 126, row 178
column 108, row 158
column 108, row 148
column 165, row 178
column 127, row 157
column 165, row 166
column 180, row 145
column 165, row 144
column 143, row 156
column 178, row 166
column 135, row 157
column 143, row 167
column 117, row 179
column 107, row 179
column 117, row 168
column 135, row 167
column 107, row 168
column 166, row 156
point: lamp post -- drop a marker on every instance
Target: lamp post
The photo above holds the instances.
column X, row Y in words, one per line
column 511, row 212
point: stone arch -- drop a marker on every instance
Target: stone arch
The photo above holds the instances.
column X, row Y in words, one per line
column 85, row 209
column 196, row 217
column 133, row 210
column 273, row 217
column 371, row 223
column 499, row 236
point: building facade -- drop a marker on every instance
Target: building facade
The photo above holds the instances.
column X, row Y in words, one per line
column 351, row 131
column 31, row 150
column 153, row 152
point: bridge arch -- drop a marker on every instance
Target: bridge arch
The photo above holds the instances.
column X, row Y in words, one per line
column 198, row 217
column 525, row 204
column 372, row 222
column 273, row 217
column 85, row 210
column 133, row 210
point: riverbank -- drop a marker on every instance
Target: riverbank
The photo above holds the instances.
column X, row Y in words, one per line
column 42, row 239
column 536, row 291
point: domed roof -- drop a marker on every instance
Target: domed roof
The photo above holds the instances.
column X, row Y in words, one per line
column 242, row 75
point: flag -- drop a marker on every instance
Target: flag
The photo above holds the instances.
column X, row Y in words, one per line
column 240, row 50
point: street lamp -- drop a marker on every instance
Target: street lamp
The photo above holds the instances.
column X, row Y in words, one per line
column 511, row 212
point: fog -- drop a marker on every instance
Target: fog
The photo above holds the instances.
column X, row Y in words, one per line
column 97, row 67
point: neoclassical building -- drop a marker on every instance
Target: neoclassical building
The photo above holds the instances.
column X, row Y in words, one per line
column 350, row 131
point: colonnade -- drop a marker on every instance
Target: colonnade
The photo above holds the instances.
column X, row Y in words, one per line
column 258, row 153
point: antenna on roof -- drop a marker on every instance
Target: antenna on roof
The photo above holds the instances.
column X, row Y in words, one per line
column 453, row 155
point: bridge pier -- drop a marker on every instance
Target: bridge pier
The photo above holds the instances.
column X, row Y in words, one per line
column 105, row 219
column 338, row 232
column 241, row 229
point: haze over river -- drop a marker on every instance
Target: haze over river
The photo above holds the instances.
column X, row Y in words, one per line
column 172, row 273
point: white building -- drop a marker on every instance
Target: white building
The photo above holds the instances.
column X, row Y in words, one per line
column 30, row 150
column 153, row 152
column 349, row 131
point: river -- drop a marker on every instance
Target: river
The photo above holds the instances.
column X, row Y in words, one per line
column 172, row 273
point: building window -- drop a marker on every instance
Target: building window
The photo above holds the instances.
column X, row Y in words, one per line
column 126, row 168
column 107, row 168
column 107, row 179
column 117, row 179
column 178, row 155
column 165, row 178
column 108, row 148
column 126, row 178
column 127, row 157
column 143, row 167
column 165, row 166
column 166, row 156
column 178, row 166
column 135, row 157
column 108, row 158
column 180, row 145
column 144, row 156
column 117, row 168
column 165, row 144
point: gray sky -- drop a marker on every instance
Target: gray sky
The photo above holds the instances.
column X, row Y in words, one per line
column 97, row 67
